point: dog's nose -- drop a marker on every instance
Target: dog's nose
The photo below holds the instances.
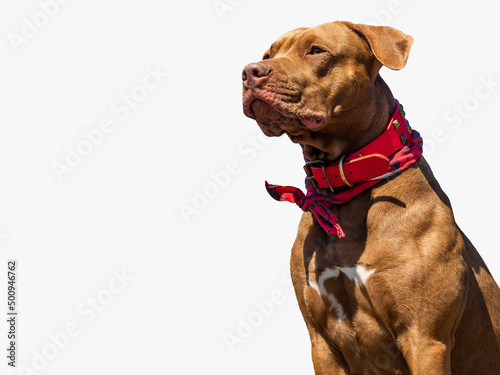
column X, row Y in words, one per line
column 255, row 74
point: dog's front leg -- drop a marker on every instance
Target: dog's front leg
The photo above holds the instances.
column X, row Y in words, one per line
column 426, row 356
column 326, row 360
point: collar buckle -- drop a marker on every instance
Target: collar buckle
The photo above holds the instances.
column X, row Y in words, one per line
column 310, row 176
column 307, row 168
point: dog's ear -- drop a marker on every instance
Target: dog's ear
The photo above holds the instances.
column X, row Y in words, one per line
column 390, row 46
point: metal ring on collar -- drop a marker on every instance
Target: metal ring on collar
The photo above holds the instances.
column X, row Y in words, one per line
column 341, row 170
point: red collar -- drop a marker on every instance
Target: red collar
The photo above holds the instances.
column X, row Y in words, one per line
column 368, row 162
column 392, row 152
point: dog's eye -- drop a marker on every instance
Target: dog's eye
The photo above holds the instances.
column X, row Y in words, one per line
column 316, row 51
column 266, row 56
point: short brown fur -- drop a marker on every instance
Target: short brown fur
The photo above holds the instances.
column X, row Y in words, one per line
column 431, row 306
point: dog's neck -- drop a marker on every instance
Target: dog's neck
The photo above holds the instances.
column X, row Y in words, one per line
column 385, row 105
column 371, row 121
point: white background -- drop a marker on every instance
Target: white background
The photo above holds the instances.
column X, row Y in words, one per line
column 191, row 282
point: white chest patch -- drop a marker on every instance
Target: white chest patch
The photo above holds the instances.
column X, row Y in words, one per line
column 358, row 274
column 320, row 287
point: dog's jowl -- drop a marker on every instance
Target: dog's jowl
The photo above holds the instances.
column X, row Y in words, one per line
column 385, row 280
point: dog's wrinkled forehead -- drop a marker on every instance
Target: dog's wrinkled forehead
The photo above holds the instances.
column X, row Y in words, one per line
column 389, row 46
column 286, row 41
column 334, row 36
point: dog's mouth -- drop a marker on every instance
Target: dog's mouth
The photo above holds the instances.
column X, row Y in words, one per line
column 267, row 117
column 275, row 120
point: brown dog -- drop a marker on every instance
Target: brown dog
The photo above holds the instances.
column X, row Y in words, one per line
column 404, row 291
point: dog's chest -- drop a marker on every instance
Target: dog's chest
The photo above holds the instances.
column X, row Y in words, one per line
column 334, row 290
column 343, row 300
column 337, row 290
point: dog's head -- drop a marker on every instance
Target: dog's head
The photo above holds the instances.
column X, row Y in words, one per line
column 321, row 86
